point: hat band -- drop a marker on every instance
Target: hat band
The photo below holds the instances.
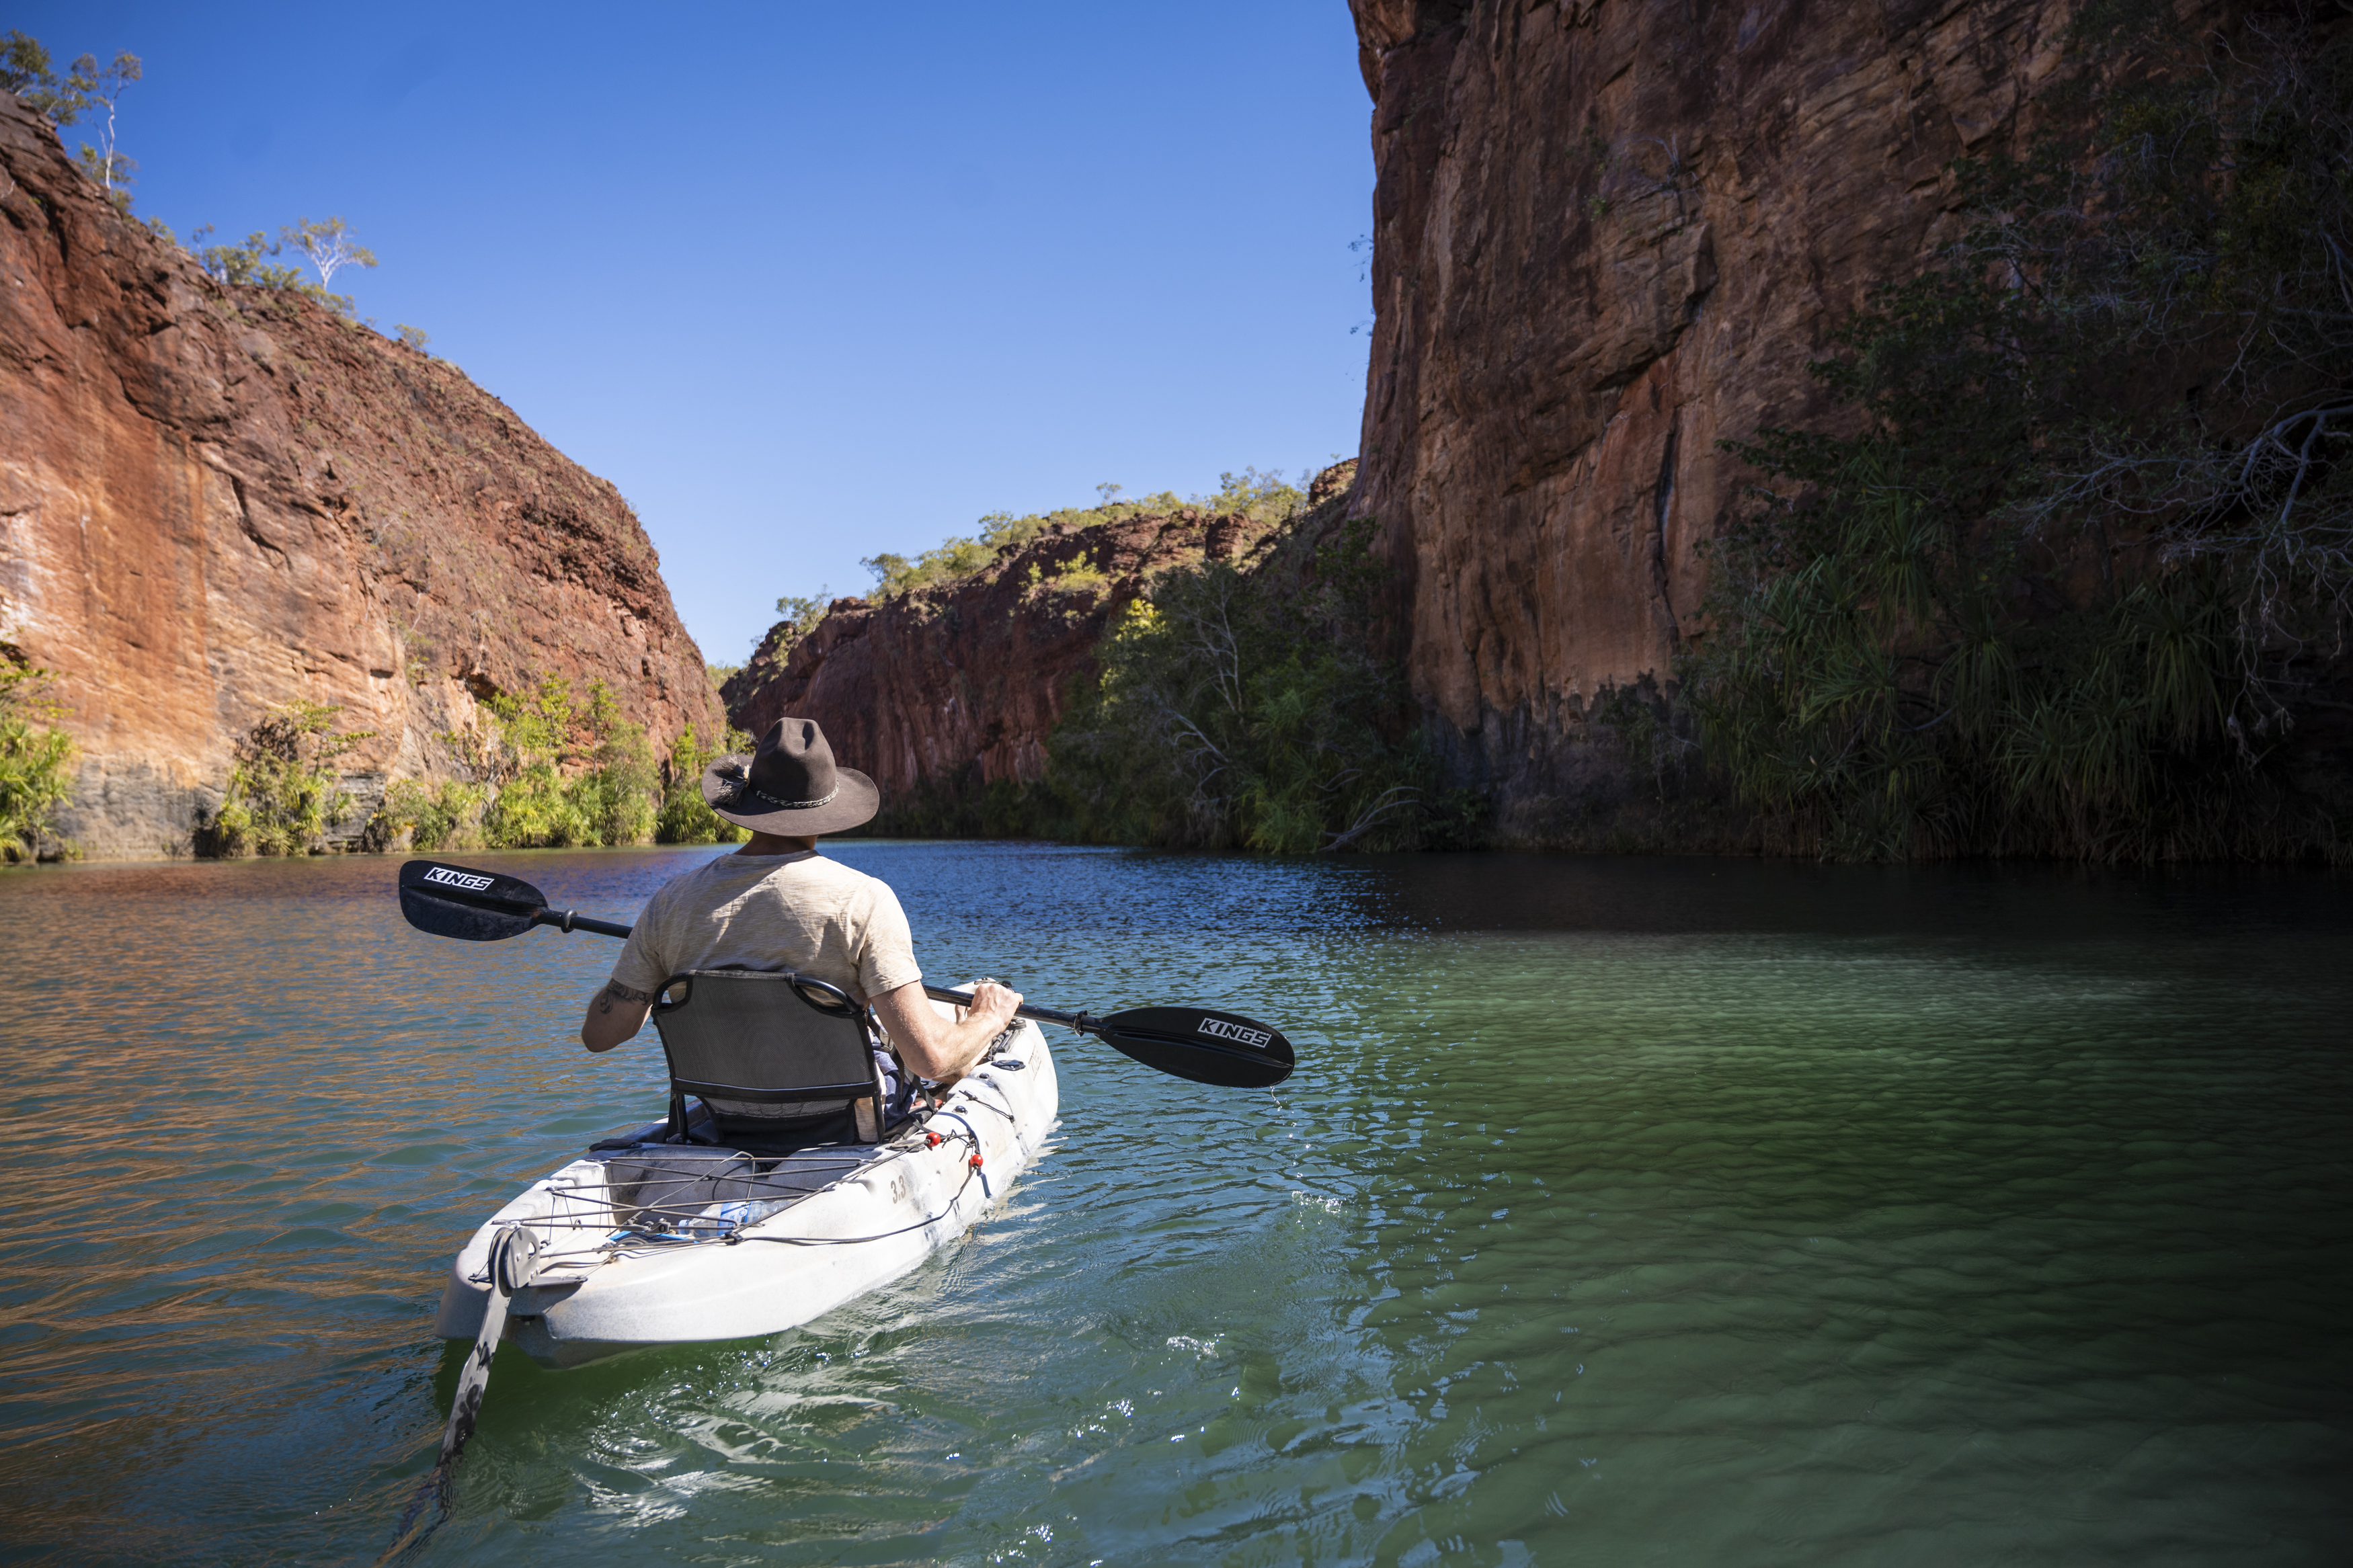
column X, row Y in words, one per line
column 825, row 799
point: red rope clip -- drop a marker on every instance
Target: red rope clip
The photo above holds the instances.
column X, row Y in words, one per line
column 975, row 1161
column 932, row 1140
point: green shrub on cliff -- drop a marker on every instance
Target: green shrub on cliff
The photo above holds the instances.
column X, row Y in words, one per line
column 1246, row 707
column 26, row 70
column 557, row 769
column 328, row 246
column 242, row 264
column 1264, row 497
column 685, row 818
column 800, row 614
column 284, row 788
column 569, row 771
column 35, row 760
column 1877, row 688
column 2062, row 591
column 436, row 816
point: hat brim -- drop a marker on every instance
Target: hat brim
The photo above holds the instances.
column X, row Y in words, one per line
column 855, row 801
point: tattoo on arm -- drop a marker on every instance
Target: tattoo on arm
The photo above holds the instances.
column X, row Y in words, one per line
column 617, row 991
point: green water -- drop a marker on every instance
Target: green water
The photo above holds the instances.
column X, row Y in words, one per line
column 1621, row 1211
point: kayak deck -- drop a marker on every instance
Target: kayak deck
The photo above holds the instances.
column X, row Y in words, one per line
column 643, row 1243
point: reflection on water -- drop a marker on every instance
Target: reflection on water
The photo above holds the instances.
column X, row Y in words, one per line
column 1680, row 1211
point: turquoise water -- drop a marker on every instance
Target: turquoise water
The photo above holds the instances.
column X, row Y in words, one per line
column 1621, row 1211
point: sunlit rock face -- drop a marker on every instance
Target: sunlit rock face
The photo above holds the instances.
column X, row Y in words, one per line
column 1608, row 235
column 963, row 681
column 213, row 500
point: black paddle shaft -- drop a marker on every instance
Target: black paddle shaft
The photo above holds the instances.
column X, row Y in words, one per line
column 1191, row 1043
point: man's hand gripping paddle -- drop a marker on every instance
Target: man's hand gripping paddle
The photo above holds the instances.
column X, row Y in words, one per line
column 1192, row 1043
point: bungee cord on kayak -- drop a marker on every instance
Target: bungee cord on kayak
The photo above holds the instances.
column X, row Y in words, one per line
column 702, row 1224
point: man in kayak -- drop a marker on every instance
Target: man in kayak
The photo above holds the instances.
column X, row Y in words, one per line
column 776, row 903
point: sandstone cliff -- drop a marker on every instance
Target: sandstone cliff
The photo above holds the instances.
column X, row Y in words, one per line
column 1607, row 235
column 215, row 499
column 963, row 681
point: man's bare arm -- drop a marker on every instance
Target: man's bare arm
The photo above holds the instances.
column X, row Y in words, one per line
column 615, row 1013
column 934, row 1047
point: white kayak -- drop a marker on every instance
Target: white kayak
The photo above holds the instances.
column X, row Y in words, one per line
column 644, row 1243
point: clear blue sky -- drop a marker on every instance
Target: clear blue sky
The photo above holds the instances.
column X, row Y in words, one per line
column 809, row 283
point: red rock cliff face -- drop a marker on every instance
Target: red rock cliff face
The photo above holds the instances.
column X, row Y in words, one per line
column 1608, row 233
column 972, row 675
column 213, row 500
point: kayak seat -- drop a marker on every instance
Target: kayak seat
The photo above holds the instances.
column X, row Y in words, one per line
column 779, row 1059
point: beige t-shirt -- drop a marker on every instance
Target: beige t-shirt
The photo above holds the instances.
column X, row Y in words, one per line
column 796, row 911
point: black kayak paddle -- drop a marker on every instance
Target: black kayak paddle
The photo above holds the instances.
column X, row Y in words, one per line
column 1191, row 1043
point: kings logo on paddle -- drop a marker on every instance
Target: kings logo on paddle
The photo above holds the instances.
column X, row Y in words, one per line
column 456, row 879
column 1217, row 1028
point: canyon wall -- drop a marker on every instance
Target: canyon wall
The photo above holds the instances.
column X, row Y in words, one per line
column 213, row 500
column 963, row 681
column 1607, row 235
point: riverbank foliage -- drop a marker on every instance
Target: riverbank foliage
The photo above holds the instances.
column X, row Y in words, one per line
column 2064, row 589
column 554, row 768
column 447, row 815
column 568, row 771
column 284, row 787
column 685, row 818
column 1237, row 704
column 1246, row 706
column 559, row 769
column 36, row 765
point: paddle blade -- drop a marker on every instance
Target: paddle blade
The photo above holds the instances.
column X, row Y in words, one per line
column 1203, row 1047
column 461, row 902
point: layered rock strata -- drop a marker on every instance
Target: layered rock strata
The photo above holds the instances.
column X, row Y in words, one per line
column 1608, row 235
column 213, row 500
column 963, row 681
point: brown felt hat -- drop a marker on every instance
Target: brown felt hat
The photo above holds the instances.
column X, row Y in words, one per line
column 790, row 786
